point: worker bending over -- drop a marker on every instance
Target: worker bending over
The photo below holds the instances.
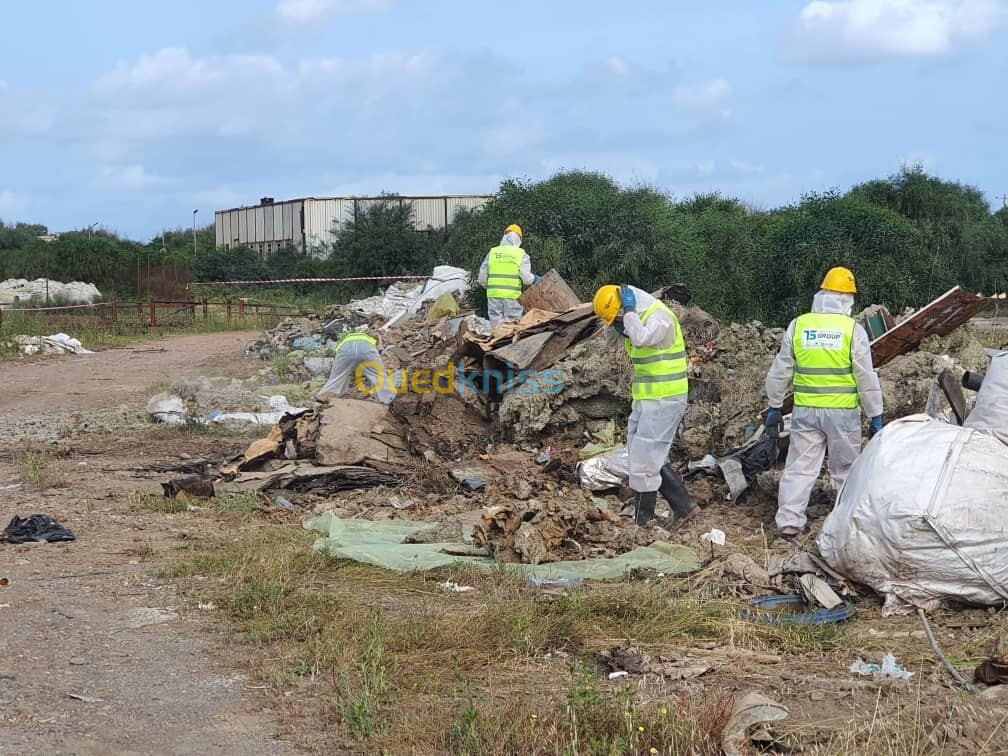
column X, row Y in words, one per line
column 505, row 271
column 357, row 359
column 654, row 340
column 827, row 355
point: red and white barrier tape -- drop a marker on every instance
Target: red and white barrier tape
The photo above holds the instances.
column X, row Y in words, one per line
column 310, row 280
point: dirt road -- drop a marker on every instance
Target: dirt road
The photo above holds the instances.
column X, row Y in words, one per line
column 102, row 655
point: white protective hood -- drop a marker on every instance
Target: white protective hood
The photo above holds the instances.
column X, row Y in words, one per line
column 922, row 516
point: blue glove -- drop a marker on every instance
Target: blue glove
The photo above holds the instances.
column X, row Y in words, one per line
column 874, row 426
column 537, row 278
column 628, row 298
column 774, row 422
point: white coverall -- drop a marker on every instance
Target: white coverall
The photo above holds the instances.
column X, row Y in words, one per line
column 344, row 370
column 814, row 430
column 991, row 412
column 653, row 423
column 506, row 310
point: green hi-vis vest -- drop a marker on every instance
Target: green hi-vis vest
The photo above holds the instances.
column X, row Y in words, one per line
column 356, row 337
column 659, row 372
column 504, row 280
column 824, row 368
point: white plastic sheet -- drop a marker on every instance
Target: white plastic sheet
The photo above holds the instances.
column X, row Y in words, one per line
column 445, row 279
column 58, row 343
column 277, row 403
column 921, row 518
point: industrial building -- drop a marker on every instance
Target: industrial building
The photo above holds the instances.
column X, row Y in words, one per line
column 308, row 223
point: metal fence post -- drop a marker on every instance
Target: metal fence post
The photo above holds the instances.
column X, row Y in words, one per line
column 205, row 313
column 153, row 314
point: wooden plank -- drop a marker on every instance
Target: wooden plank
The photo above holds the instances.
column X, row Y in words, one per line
column 954, row 393
column 551, row 293
column 938, row 318
column 942, row 316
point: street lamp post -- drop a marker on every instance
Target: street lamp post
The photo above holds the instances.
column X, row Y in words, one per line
column 194, row 231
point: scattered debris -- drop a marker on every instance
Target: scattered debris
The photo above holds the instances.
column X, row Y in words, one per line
column 555, row 582
column 571, row 527
column 38, row 528
column 889, row 668
column 448, row 585
column 793, row 610
column 185, row 489
column 749, row 711
column 625, row 660
column 58, row 343
column 714, row 537
column 168, row 409
column 818, row 590
column 85, row 699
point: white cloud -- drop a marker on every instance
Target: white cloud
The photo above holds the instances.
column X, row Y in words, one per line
column 740, row 166
column 173, row 73
column 304, row 12
column 702, row 95
column 872, row 29
column 128, row 177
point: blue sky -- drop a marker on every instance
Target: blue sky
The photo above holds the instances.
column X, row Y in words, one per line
column 131, row 114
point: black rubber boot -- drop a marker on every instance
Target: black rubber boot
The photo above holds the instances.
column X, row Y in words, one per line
column 675, row 493
column 644, row 506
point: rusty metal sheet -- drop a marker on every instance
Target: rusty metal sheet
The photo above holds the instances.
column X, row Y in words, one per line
column 942, row 316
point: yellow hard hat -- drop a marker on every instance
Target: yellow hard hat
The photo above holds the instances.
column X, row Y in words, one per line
column 516, row 228
column 607, row 303
column 840, row 280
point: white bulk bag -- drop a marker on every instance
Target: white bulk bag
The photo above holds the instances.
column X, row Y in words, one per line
column 923, row 515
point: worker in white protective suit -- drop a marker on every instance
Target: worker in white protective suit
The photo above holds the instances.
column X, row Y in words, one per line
column 826, row 354
column 506, row 269
column 357, row 359
column 654, row 340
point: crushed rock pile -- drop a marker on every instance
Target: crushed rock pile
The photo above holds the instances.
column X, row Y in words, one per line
column 907, row 380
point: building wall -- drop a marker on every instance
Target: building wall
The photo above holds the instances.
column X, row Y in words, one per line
column 308, row 224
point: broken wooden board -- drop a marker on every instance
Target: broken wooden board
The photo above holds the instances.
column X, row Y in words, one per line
column 939, row 318
column 952, row 389
column 360, row 431
column 508, row 332
column 551, row 294
column 517, row 356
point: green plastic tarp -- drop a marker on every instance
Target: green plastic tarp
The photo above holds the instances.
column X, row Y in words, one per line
column 381, row 544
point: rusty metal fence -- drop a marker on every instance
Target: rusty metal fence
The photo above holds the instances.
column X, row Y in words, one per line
column 153, row 313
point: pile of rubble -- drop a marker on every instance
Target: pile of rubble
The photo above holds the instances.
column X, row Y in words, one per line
column 547, row 379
